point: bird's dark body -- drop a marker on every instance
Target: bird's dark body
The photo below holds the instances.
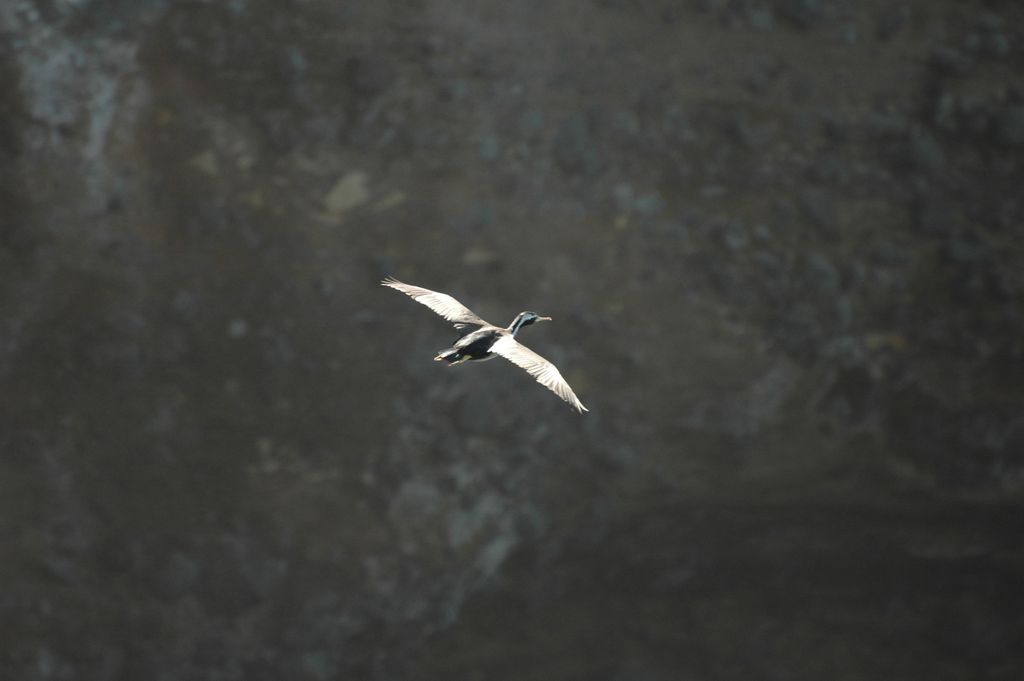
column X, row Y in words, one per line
column 474, row 346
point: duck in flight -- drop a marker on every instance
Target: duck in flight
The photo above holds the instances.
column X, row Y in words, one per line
column 489, row 340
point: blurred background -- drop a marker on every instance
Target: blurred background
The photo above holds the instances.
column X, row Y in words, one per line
column 782, row 243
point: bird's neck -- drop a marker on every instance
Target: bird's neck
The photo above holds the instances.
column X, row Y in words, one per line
column 516, row 324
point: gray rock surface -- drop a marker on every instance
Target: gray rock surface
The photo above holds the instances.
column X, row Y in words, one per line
column 782, row 242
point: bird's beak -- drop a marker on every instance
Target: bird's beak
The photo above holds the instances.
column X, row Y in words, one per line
column 543, row 319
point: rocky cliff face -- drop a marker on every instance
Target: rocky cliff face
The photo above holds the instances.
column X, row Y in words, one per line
column 782, row 242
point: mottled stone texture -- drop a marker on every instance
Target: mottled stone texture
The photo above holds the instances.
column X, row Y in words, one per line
column 783, row 245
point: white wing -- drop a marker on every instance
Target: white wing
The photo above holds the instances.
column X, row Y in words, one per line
column 441, row 303
column 538, row 367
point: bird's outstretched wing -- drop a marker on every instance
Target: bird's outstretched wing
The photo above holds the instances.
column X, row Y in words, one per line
column 441, row 303
column 538, row 367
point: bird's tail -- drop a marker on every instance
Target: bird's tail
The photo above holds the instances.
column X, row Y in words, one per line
column 451, row 355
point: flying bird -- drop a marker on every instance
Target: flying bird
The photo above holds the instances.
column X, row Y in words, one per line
column 489, row 340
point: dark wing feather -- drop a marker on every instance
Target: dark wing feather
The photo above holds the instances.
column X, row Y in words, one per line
column 441, row 303
column 544, row 371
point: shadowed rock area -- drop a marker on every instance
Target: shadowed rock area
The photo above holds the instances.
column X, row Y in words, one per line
column 782, row 242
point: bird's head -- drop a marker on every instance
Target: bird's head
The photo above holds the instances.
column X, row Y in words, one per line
column 525, row 319
column 532, row 318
